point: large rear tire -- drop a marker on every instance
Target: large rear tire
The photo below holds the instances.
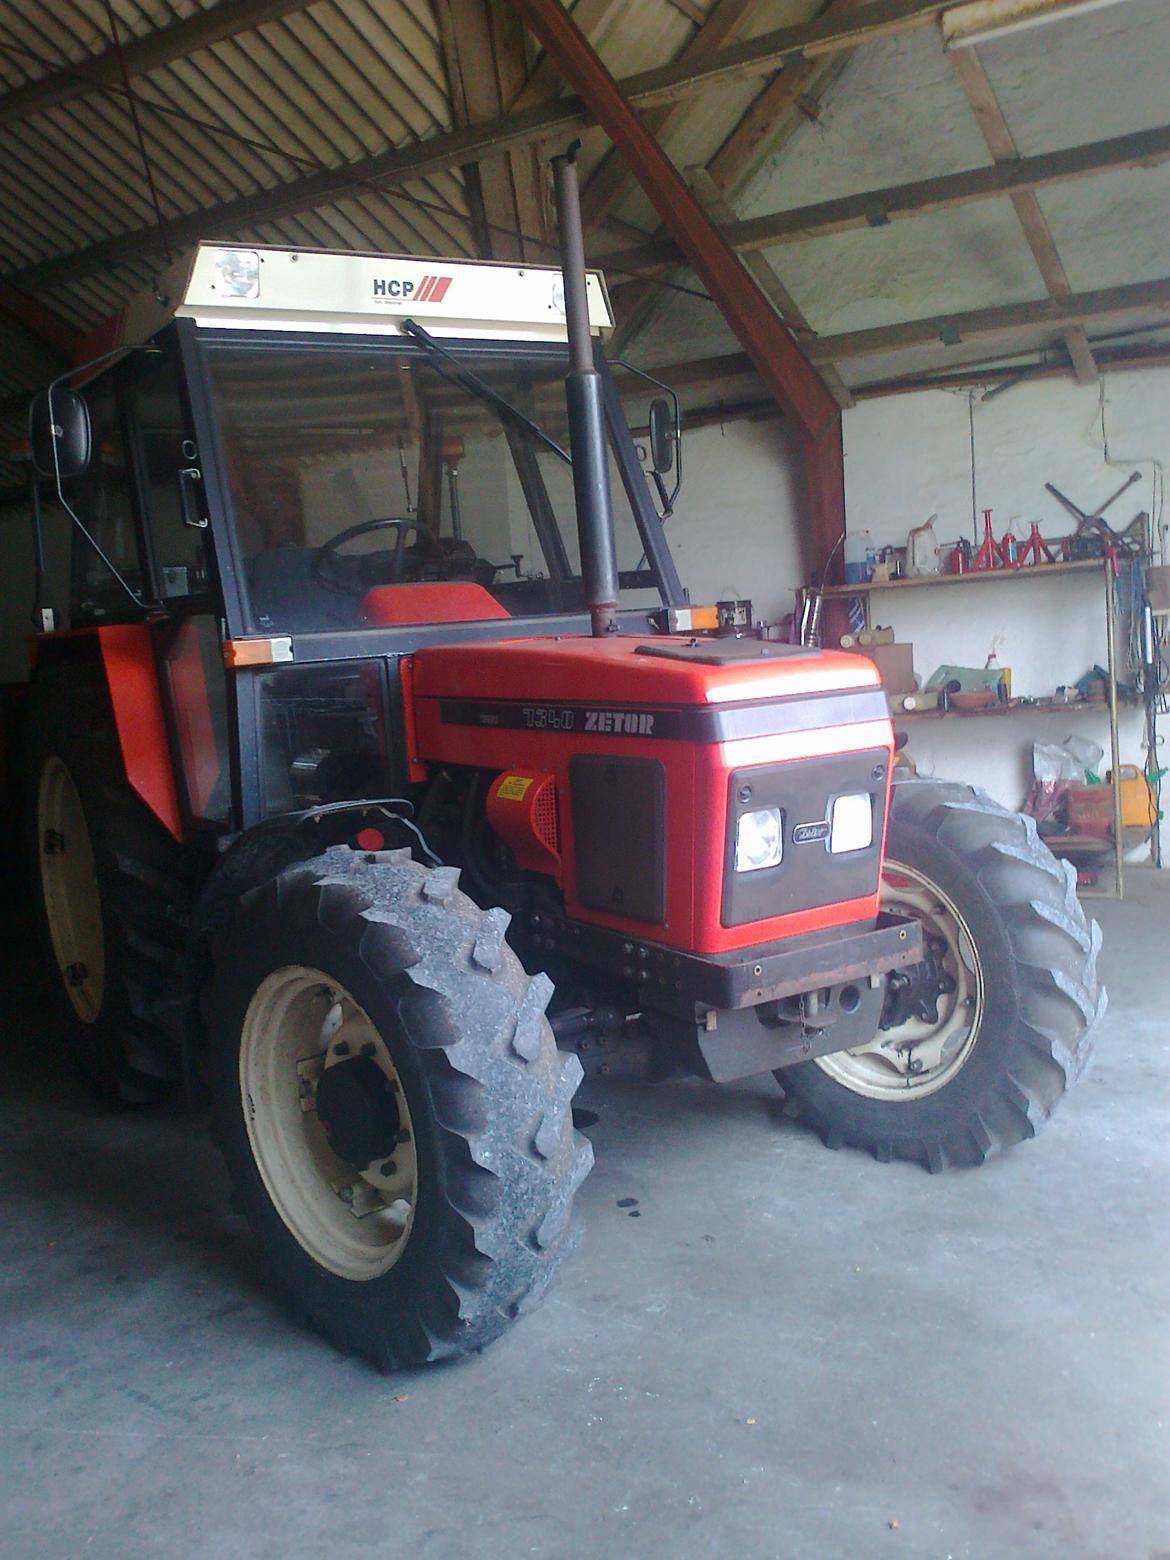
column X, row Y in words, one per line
column 393, row 1108
column 113, row 891
column 981, row 1063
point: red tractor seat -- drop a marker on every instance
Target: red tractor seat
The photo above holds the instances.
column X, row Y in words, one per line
column 435, row 601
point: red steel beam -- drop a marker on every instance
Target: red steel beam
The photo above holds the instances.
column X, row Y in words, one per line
column 790, row 377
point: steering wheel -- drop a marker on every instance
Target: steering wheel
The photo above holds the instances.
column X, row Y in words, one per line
column 327, row 551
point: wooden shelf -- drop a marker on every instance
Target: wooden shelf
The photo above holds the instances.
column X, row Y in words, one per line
column 1032, row 571
column 1096, row 569
column 1039, row 707
column 1079, row 844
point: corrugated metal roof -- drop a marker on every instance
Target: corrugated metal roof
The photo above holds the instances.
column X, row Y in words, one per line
column 270, row 92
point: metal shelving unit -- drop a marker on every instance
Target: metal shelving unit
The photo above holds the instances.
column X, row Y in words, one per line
column 1074, row 847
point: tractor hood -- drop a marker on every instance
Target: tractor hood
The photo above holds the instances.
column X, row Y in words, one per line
column 671, row 673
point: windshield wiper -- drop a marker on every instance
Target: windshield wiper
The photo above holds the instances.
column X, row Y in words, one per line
column 447, row 364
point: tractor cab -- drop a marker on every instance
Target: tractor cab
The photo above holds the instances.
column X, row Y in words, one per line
column 327, row 460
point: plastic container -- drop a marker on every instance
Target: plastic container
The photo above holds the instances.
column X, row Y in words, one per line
column 922, row 550
column 860, row 557
column 1139, row 810
column 1090, row 810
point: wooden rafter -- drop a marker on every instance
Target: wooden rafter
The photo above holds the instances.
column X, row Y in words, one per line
column 1006, row 319
column 452, row 149
column 612, row 180
column 875, row 208
column 1002, row 146
column 770, row 284
column 160, row 47
column 762, row 129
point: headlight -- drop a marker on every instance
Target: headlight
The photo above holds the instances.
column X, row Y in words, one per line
column 759, row 839
column 851, row 824
column 237, row 272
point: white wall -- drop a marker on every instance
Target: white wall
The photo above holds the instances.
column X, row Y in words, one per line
column 735, row 531
column 908, row 456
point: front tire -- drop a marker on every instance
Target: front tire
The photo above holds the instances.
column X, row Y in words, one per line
column 392, row 1106
column 1007, row 1029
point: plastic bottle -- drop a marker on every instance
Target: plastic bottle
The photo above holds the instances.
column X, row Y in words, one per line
column 860, row 557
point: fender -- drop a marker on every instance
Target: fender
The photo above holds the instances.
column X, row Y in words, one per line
column 127, row 654
column 132, row 676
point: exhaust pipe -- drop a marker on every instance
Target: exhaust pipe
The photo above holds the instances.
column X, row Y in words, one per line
column 583, row 394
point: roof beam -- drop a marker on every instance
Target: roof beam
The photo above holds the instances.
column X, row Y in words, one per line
column 875, row 208
column 612, row 181
column 1005, row 319
column 1002, row 146
column 160, row 47
column 752, row 57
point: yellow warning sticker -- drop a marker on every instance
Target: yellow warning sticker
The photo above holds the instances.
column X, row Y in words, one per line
column 514, row 788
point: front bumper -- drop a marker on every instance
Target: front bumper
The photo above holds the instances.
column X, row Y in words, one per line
column 675, row 983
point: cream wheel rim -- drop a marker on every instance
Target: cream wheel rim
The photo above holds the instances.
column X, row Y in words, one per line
column 920, row 1057
column 69, row 889
column 356, row 1223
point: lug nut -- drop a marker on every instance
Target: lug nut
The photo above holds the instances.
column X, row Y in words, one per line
column 388, row 1169
column 341, row 1048
column 369, row 1049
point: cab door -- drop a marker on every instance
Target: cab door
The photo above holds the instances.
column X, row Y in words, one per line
column 189, row 638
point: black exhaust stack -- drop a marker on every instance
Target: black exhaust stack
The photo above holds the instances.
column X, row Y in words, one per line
column 583, row 392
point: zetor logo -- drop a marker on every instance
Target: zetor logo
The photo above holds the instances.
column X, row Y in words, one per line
column 632, row 723
column 432, row 289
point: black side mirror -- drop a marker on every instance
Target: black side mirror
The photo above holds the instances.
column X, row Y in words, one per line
column 59, row 434
column 661, row 435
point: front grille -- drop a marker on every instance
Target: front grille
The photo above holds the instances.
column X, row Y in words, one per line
column 809, row 876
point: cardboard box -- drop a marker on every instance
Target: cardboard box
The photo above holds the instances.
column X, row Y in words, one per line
column 896, row 664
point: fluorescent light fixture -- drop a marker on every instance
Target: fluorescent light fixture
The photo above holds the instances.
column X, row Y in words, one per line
column 851, row 824
column 759, row 840
column 982, row 20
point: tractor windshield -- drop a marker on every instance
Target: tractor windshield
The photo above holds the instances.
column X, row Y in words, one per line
column 354, row 469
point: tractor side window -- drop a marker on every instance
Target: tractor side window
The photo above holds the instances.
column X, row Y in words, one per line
column 167, row 458
column 192, row 664
column 322, row 733
column 102, row 499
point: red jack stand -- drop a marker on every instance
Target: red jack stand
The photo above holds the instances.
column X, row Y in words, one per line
column 1036, row 549
column 988, row 555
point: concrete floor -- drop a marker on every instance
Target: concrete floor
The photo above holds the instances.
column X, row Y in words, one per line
column 788, row 1353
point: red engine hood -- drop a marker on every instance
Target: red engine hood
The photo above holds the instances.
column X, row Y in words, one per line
column 619, row 671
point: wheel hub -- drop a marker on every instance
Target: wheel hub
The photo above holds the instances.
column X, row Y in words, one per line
column 933, row 1010
column 914, row 992
column 358, row 1108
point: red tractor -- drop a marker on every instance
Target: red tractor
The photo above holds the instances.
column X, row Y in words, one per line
column 365, row 795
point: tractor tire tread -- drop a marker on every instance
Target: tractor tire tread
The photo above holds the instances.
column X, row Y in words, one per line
column 1051, row 967
column 506, row 1221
